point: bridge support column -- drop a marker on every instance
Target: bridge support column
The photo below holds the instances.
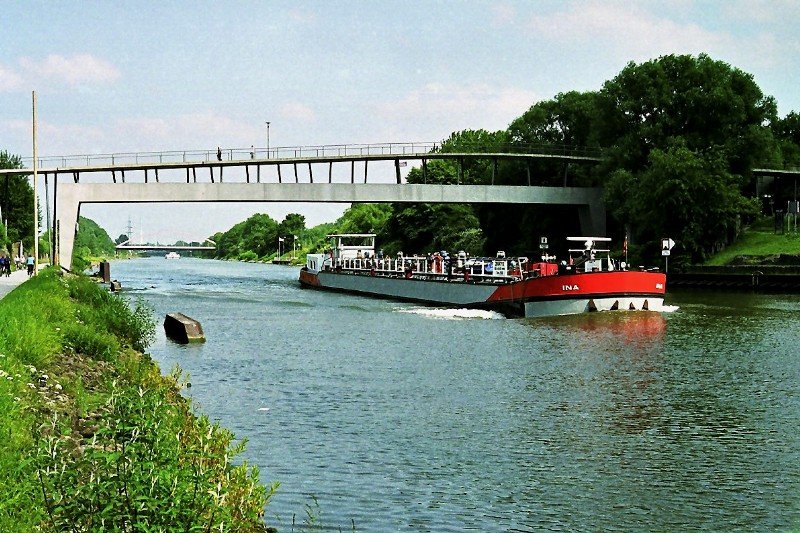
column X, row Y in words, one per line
column 592, row 217
column 69, row 209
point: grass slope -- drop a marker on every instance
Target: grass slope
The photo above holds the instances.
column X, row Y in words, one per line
column 93, row 436
column 757, row 243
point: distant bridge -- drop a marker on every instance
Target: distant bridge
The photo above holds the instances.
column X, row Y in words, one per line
column 127, row 245
column 206, row 181
column 162, row 247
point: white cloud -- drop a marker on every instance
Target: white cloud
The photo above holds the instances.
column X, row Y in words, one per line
column 631, row 31
column 184, row 132
column 625, row 30
column 74, row 70
column 200, row 131
column 777, row 12
column 503, row 14
column 303, row 16
column 436, row 110
column 81, row 69
column 9, row 80
column 295, row 111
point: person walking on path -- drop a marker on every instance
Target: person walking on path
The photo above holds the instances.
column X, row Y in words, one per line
column 31, row 264
column 219, row 154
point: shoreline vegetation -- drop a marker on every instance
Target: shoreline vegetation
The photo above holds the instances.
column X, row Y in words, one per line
column 94, row 436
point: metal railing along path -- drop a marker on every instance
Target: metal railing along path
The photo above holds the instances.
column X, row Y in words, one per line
column 288, row 153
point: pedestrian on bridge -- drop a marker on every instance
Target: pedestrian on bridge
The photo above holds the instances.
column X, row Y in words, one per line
column 219, row 154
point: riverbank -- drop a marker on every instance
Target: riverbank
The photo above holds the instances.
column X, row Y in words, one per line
column 765, row 258
column 95, row 436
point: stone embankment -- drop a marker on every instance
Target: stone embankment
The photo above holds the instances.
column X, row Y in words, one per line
column 779, row 274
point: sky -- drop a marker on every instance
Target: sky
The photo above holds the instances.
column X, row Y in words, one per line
column 115, row 77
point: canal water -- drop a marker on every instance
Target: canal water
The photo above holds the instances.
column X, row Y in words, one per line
column 385, row 416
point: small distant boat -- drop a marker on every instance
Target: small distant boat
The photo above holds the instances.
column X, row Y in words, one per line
column 172, row 255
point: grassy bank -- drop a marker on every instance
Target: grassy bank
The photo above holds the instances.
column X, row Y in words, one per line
column 759, row 244
column 93, row 436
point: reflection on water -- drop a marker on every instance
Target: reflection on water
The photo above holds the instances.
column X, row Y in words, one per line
column 624, row 325
column 397, row 416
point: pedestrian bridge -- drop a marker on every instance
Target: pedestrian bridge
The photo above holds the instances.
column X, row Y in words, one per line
column 246, row 180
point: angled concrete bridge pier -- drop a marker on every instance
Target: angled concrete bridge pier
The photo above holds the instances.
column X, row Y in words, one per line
column 71, row 196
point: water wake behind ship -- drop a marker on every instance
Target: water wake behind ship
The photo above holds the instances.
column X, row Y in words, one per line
column 452, row 314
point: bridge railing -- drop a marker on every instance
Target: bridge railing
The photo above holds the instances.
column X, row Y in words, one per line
column 234, row 154
column 285, row 152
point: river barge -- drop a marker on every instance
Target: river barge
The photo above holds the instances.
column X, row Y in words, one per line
column 590, row 280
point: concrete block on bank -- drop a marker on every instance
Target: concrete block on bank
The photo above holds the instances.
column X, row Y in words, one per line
column 183, row 329
column 115, row 286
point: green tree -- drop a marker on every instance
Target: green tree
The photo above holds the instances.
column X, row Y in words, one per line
column 568, row 120
column 416, row 228
column 707, row 103
column 253, row 238
column 687, row 194
column 364, row 218
column 16, row 202
column 787, row 132
column 4, row 241
column 420, row 228
column 92, row 240
column 293, row 224
column 260, row 235
column 688, row 114
column 229, row 243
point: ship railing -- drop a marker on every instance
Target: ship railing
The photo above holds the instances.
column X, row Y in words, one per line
column 386, row 266
column 419, row 266
column 492, row 278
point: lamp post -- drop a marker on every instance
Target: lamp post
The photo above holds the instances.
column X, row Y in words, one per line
column 35, row 198
column 267, row 139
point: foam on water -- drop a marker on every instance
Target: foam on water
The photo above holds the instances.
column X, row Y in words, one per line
column 453, row 314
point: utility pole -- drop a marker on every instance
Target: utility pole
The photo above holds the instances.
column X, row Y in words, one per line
column 35, row 198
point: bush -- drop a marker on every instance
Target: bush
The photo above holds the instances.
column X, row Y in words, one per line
column 112, row 313
column 171, row 471
column 85, row 340
column 248, row 255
